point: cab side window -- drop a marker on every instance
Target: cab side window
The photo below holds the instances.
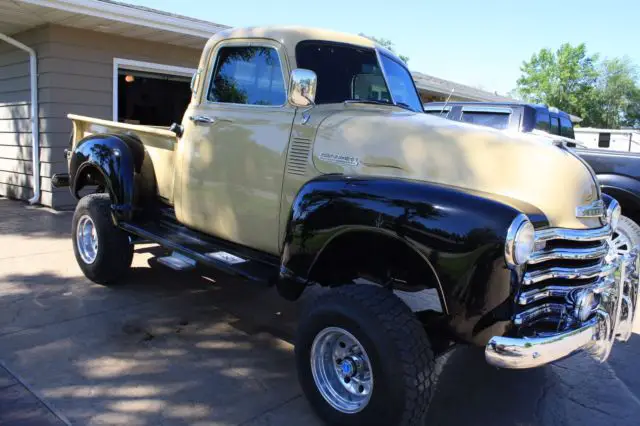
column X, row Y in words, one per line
column 555, row 126
column 566, row 128
column 542, row 120
column 249, row 75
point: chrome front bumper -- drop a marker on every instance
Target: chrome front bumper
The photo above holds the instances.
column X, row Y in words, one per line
column 613, row 321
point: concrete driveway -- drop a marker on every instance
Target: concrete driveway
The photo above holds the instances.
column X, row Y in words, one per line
column 201, row 348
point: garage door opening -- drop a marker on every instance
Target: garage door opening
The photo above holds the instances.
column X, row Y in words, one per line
column 150, row 94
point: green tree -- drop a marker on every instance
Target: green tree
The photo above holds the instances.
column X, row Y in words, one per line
column 632, row 112
column 564, row 79
column 617, row 94
column 387, row 44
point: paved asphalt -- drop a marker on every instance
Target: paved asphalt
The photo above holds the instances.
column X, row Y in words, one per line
column 200, row 348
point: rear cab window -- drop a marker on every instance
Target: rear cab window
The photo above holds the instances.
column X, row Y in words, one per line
column 496, row 118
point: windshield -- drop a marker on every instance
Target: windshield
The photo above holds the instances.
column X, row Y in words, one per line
column 401, row 83
column 351, row 73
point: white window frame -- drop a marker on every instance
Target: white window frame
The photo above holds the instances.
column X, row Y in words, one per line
column 143, row 66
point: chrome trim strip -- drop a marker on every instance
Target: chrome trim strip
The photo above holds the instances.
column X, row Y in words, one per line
column 594, row 234
column 569, row 254
column 563, row 291
column 594, row 271
column 539, row 311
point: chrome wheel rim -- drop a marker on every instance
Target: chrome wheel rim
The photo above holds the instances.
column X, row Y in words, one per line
column 341, row 370
column 621, row 242
column 87, row 240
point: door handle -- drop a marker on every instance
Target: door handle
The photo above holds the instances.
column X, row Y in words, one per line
column 203, row 119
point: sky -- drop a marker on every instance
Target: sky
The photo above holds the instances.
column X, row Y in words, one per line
column 481, row 43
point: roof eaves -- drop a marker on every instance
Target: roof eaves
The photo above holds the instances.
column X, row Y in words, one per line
column 429, row 82
column 134, row 15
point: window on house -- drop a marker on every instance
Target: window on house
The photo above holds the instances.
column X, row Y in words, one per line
column 248, row 75
column 604, row 140
column 151, row 98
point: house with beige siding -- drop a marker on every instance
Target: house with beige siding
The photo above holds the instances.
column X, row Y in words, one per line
column 104, row 59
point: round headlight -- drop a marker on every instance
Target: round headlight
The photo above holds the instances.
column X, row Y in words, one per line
column 613, row 214
column 520, row 241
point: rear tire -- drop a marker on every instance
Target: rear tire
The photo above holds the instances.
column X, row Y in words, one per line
column 102, row 250
column 394, row 346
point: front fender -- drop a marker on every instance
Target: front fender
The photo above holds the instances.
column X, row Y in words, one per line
column 118, row 158
column 460, row 233
column 625, row 190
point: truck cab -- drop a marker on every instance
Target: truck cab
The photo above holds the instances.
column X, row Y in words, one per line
column 519, row 117
column 305, row 159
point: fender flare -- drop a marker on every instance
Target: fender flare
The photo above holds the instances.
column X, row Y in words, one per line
column 118, row 159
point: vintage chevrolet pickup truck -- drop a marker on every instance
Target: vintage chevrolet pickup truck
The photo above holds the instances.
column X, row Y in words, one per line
column 305, row 159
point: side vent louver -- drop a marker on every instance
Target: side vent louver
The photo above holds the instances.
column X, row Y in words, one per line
column 298, row 156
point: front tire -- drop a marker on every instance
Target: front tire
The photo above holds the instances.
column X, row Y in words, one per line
column 102, row 250
column 364, row 359
column 626, row 236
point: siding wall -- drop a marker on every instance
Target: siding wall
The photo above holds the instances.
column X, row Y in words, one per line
column 75, row 75
column 15, row 114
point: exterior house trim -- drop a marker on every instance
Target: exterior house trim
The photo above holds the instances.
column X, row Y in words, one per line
column 133, row 15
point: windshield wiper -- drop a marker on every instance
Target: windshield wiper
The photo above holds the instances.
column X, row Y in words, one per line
column 367, row 101
column 376, row 102
column 405, row 106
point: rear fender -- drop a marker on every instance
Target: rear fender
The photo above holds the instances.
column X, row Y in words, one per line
column 117, row 159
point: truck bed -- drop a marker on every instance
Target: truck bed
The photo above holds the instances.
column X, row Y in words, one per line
column 159, row 142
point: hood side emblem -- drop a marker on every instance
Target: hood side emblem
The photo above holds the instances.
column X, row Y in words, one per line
column 342, row 159
column 594, row 209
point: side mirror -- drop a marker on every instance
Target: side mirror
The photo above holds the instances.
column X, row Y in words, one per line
column 302, row 88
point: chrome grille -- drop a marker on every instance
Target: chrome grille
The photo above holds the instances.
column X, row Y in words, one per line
column 566, row 260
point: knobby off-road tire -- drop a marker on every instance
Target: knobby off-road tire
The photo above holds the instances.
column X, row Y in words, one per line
column 113, row 253
column 395, row 343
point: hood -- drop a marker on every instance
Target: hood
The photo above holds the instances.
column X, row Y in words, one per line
column 370, row 141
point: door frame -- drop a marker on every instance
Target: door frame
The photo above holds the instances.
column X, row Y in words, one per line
column 143, row 66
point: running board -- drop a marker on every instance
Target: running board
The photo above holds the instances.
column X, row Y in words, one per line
column 191, row 247
column 177, row 262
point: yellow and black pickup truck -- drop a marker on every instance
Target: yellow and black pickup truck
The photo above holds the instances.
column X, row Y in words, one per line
column 305, row 159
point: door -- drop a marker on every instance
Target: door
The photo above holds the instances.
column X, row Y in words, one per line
column 236, row 142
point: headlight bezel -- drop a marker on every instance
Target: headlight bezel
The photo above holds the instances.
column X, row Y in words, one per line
column 614, row 211
column 520, row 241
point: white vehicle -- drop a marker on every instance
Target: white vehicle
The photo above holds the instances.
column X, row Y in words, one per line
column 611, row 139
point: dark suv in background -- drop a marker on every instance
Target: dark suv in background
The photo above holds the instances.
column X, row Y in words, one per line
column 513, row 116
column 618, row 172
